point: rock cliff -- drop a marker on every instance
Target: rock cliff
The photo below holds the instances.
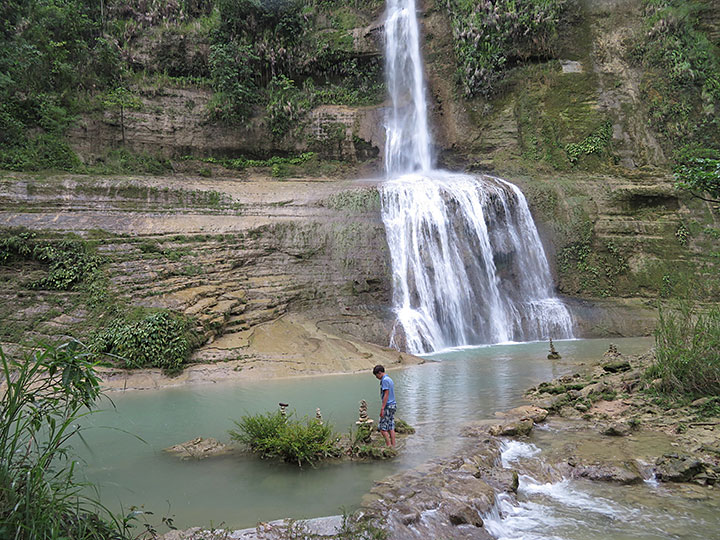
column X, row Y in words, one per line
column 243, row 248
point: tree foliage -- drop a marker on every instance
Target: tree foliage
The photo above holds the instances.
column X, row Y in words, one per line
column 49, row 51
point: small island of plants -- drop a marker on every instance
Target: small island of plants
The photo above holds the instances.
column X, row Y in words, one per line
column 276, row 435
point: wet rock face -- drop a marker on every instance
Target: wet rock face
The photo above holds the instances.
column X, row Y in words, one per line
column 183, row 128
column 677, row 468
column 232, row 254
column 444, row 498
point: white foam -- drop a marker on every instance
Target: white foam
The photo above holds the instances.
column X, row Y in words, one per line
column 512, row 451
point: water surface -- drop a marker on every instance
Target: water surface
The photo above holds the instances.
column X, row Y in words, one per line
column 437, row 398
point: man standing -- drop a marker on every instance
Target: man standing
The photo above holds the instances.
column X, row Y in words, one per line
column 387, row 409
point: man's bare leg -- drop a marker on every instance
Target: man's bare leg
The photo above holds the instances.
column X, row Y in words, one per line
column 387, row 437
column 392, row 438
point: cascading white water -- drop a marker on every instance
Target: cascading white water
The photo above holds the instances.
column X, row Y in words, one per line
column 468, row 265
column 407, row 137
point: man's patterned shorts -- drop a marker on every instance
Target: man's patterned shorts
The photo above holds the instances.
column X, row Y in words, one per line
column 387, row 422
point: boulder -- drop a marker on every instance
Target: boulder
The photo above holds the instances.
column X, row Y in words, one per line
column 536, row 414
column 199, row 448
column 595, row 388
column 677, row 468
column 625, row 472
column 616, row 366
column 513, row 428
column 616, row 429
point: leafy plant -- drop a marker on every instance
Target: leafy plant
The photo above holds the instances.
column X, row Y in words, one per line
column 697, row 171
column 69, row 260
column 286, row 106
column 273, row 435
column 595, row 143
column 231, row 68
column 681, row 87
column 44, row 394
column 121, row 99
column 162, row 339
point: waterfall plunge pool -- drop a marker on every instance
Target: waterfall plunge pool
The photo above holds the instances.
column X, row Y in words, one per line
column 455, row 387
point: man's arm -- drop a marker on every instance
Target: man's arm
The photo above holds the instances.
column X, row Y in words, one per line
column 386, row 395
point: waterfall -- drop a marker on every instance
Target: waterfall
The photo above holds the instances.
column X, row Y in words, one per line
column 407, row 137
column 468, row 265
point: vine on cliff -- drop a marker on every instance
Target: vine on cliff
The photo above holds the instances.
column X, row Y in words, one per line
column 681, row 87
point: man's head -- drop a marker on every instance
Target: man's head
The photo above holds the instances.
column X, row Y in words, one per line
column 379, row 371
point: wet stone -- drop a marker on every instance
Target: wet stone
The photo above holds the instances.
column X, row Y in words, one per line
column 677, row 468
column 616, row 429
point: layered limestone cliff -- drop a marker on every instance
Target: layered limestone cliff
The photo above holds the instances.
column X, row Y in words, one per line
column 241, row 248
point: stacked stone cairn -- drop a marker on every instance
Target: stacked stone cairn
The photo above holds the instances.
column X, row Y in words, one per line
column 362, row 413
column 554, row 355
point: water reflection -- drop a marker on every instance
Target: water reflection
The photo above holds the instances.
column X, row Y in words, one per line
column 437, row 398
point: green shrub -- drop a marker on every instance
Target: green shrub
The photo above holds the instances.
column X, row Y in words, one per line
column 43, row 396
column 123, row 161
column 272, row 435
column 595, row 143
column 232, row 80
column 44, row 151
column 697, row 170
column 287, row 106
column 687, row 352
column 163, row 340
column 51, row 52
column 69, row 260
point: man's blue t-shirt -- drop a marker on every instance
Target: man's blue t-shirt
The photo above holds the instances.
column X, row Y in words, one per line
column 386, row 383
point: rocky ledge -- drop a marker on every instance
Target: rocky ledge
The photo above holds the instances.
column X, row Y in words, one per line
column 629, row 436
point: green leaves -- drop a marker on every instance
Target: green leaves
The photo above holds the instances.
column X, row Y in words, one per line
column 687, row 354
column 69, row 260
column 161, row 340
column 272, row 435
column 233, row 80
column 681, row 79
column 595, row 143
column 44, row 394
column 699, row 174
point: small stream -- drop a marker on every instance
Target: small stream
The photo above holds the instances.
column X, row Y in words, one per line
column 124, row 452
column 585, row 510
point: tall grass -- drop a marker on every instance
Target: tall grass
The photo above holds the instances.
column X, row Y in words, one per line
column 42, row 396
column 272, row 435
column 688, row 352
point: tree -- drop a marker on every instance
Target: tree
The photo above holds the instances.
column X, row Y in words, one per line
column 120, row 99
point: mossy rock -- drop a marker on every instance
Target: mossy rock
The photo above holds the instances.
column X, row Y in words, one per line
column 403, row 428
column 368, row 451
column 616, row 366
